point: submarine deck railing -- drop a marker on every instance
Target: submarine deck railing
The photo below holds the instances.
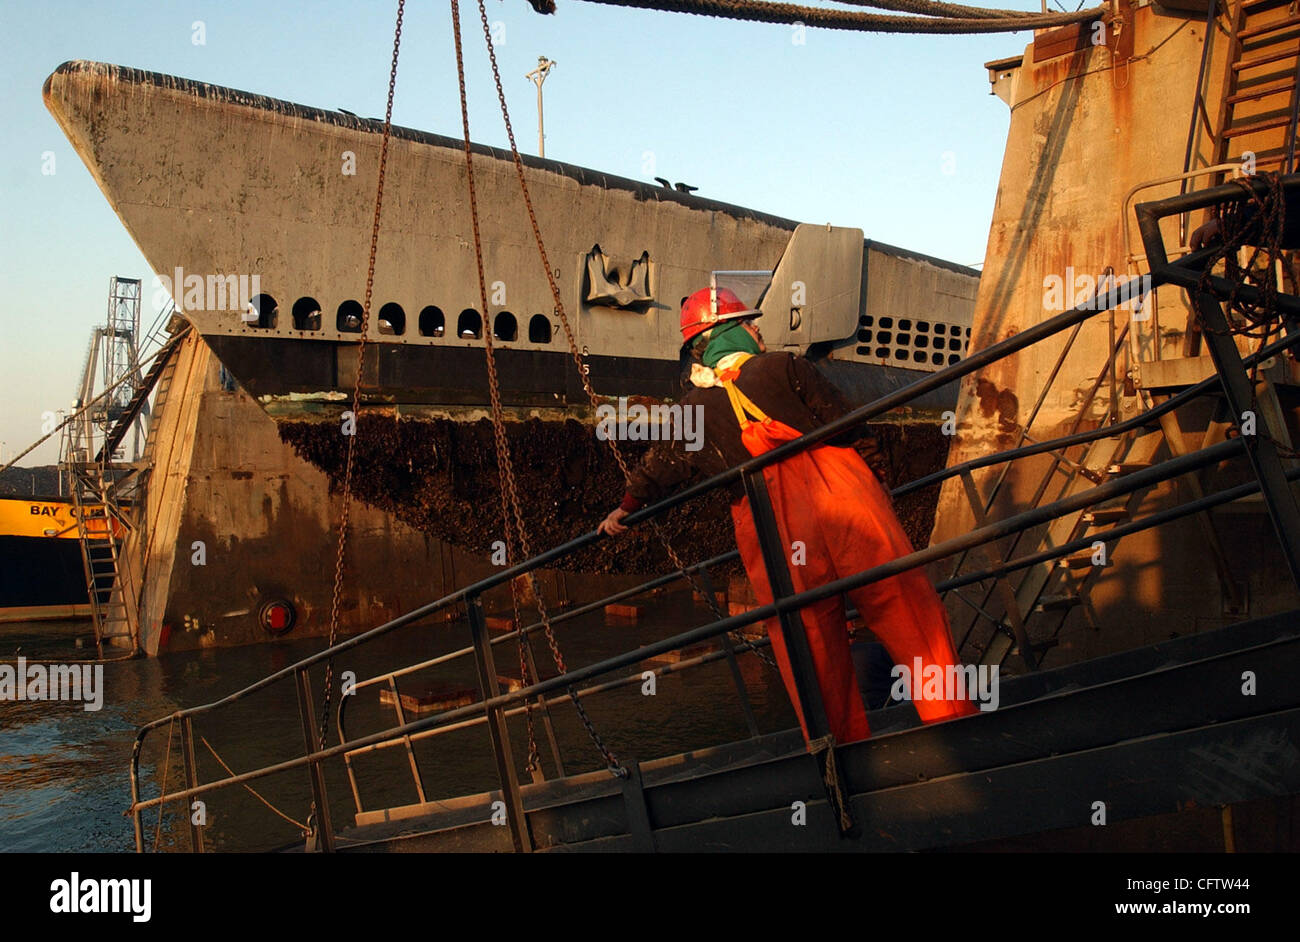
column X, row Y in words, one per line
column 1271, row 480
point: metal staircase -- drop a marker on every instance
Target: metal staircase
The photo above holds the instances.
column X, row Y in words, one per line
column 109, row 500
column 106, row 487
column 1258, row 112
column 1257, row 116
column 1025, row 617
column 102, row 521
column 160, row 377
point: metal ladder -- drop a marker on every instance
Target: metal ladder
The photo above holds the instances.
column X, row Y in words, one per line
column 1258, row 111
column 1049, row 592
column 99, row 523
column 1026, row 617
column 108, row 500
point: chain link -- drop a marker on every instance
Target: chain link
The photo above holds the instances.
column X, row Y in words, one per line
column 356, row 390
column 511, row 509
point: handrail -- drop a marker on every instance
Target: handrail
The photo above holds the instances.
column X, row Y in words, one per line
column 1082, row 438
column 1184, row 177
column 1198, row 104
column 625, row 681
column 996, row 530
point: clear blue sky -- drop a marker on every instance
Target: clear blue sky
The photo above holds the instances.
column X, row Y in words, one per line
column 852, row 129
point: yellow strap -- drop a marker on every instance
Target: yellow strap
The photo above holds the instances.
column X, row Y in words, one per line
column 743, row 406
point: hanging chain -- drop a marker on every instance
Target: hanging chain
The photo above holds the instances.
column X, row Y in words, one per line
column 578, row 355
column 511, row 512
column 525, row 676
column 356, row 390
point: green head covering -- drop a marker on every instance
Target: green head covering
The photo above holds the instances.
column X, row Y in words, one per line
column 728, row 338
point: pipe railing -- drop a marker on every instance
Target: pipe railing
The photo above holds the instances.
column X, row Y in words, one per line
column 991, row 532
column 495, row 707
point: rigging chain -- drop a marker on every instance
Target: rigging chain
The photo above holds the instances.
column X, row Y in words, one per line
column 513, row 515
column 742, row 644
column 356, row 390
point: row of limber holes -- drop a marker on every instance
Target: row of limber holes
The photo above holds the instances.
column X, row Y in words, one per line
column 306, row 314
column 927, row 341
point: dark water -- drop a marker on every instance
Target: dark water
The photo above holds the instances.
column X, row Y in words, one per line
column 64, row 782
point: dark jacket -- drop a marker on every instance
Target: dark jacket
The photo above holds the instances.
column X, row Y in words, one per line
column 786, row 387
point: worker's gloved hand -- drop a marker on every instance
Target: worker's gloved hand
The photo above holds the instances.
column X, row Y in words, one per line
column 611, row 525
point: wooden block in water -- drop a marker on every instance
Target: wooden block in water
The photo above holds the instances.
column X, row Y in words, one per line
column 684, row 654
column 509, row 684
column 500, row 623
column 433, row 698
column 624, row 611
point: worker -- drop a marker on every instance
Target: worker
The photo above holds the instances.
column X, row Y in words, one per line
column 834, row 517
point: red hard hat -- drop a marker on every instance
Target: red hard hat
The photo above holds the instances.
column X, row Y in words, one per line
column 699, row 313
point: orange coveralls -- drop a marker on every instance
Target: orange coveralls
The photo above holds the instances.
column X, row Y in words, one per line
column 828, row 499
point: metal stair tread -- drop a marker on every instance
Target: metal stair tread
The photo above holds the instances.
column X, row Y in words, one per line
column 1262, row 91
column 1057, row 603
column 1106, row 515
column 1243, row 64
column 1266, row 125
column 1266, row 28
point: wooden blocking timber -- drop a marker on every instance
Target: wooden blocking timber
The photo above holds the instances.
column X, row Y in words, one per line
column 721, row 598
column 623, row 612
column 500, row 623
column 509, row 684
column 435, row 696
column 523, row 588
column 683, row 654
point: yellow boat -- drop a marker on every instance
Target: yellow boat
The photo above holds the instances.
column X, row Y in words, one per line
column 41, row 572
